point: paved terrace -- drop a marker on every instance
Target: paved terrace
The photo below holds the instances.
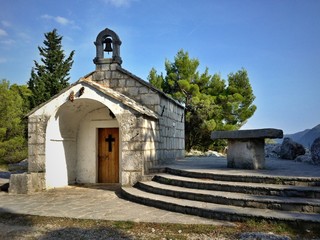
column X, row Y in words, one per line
column 103, row 202
column 274, row 167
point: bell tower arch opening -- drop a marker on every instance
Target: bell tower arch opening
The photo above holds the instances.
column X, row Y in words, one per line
column 107, row 41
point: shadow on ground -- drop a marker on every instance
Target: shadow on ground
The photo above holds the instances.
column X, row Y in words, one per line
column 14, row 226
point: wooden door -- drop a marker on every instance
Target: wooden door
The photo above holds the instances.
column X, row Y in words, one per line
column 108, row 155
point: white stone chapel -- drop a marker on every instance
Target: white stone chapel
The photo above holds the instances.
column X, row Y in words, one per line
column 108, row 127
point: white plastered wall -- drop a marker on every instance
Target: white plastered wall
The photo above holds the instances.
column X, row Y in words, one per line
column 87, row 164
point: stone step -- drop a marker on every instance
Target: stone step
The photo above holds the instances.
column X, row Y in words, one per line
column 240, row 187
column 219, row 211
column 253, row 177
column 231, row 198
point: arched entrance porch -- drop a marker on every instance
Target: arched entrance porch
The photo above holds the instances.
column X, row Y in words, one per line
column 72, row 142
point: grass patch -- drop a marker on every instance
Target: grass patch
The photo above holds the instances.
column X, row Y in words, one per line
column 121, row 225
column 265, row 226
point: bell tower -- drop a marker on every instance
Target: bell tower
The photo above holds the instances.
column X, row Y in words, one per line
column 107, row 48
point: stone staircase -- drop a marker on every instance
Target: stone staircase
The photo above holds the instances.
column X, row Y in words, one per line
column 232, row 197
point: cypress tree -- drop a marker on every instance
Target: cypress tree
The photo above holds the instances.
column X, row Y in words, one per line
column 51, row 75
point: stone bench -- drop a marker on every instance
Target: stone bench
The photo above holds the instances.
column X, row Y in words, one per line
column 246, row 147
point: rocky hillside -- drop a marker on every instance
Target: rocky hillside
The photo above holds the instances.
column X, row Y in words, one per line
column 306, row 137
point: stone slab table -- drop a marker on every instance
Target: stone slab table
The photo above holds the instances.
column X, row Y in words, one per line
column 246, row 147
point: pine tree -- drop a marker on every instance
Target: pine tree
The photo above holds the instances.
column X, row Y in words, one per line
column 155, row 79
column 210, row 104
column 13, row 144
column 51, row 76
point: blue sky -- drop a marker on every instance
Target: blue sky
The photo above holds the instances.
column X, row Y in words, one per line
column 276, row 41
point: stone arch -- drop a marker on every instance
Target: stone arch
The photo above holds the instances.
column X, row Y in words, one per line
column 65, row 161
column 100, row 59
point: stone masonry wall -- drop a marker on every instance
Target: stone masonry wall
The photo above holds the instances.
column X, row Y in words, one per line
column 171, row 124
column 138, row 143
column 169, row 130
column 36, row 143
column 34, row 180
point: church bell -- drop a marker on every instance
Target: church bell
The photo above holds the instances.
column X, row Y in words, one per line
column 108, row 46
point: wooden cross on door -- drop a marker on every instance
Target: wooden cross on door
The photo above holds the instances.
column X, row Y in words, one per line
column 110, row 140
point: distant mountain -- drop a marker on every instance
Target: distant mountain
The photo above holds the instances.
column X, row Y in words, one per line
column 305, row 137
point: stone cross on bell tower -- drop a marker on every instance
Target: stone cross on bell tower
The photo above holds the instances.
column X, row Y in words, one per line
column 107, row 42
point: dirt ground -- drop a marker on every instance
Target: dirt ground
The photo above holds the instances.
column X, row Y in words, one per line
column 33, row 227
column 16, row 227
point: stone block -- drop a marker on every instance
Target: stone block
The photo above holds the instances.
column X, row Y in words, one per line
column 125, row 178
column 136, row 146
column 149, row 145
column 37, row 124
column 120, row 75
column 125, row 146
column 32, row 127
column 103, row 67
column 316, row 209
column 129, row 178
column 27, row 183
column 151, row 107
column 34, row 119
column 113, row 66
column 122, row 83
column 132, row 160
column 135, row 177
column 122, row 90
column 147, row 166
column 18, row 184
column 143, row 90
column 142, row 123
column 107, row 74
column 254, row 204
column 182, row 144
column 98, row 76
column 36, row 138
column 181, row 154
column 106, row 83
column 36, row 182
column 248, row 134
column 158, row 109
column 36, row 149
column 296, row 208
column 113, row 83
column 146, row 156
column 170, row 107
column 131, row 83
column 247, row 154
column 308, row 208
column 133, row 91
column 36, row 163
column 150, row 99
column 153, row 155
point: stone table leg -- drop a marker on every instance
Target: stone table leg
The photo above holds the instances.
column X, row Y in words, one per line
column 246, row 153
